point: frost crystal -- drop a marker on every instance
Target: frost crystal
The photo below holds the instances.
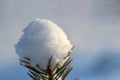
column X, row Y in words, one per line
column 41, row 40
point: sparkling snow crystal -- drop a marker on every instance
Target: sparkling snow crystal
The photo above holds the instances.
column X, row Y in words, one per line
column 41, row 40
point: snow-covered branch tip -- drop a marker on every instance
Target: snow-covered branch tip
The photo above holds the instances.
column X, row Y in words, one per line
column 57, row 73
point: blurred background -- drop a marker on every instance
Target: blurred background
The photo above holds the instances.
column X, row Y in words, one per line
column 93, row 26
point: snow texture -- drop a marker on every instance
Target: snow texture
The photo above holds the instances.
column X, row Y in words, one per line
column 42, row 39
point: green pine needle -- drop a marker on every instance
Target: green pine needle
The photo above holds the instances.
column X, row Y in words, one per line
column 59, row 72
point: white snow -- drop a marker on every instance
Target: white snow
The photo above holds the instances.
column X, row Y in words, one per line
column 42, row 39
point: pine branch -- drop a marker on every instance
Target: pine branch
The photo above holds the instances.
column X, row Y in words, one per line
column 59, row 72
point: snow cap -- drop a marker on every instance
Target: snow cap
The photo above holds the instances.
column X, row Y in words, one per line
column 42, row 39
